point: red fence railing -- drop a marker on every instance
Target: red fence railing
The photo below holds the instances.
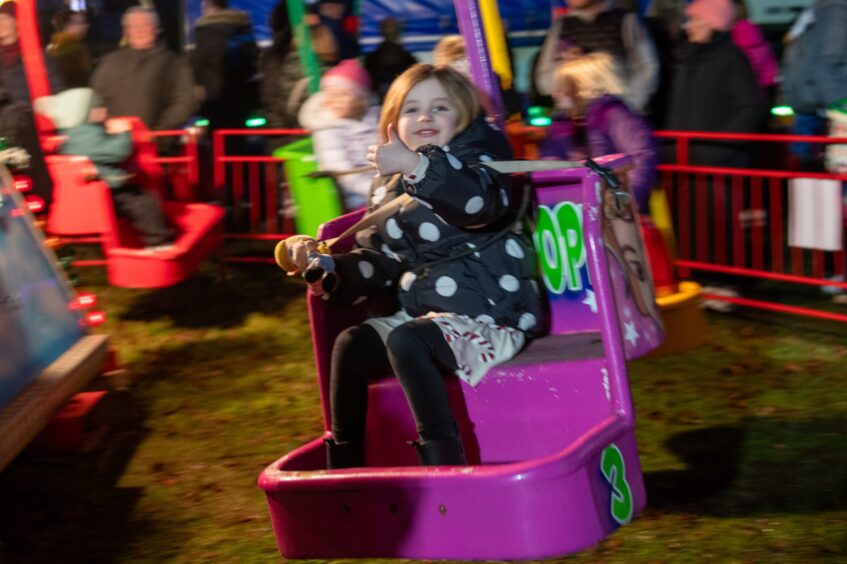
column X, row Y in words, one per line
column 253, row 187
column 735, row 220
column 182, row 170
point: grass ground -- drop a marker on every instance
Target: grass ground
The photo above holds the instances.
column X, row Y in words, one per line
column 741, row 441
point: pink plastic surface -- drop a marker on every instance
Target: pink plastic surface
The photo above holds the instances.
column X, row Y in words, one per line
column 554, row 465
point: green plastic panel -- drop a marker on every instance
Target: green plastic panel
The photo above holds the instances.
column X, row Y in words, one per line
column 316, row 199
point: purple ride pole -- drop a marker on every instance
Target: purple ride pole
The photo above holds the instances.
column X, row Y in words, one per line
column 476, row 50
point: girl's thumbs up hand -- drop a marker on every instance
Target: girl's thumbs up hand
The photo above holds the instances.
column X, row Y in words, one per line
column 393, row 156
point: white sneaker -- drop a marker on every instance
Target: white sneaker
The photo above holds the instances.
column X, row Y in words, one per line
column 833, row 290
column 720, row 305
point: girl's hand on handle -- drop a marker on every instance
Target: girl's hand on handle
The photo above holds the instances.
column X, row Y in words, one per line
column 394, row 156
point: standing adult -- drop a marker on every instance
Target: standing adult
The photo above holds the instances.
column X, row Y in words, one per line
column 596, row 25
column 225, row 62
column 815, row 72
column 715, row 88
column 333, row 15
column 67, row 47
column 390, row 59
column 17, row 127
column 12, row 71
column 284, row 87
column 144, row 78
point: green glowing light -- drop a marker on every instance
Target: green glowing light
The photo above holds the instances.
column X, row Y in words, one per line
column 201, row 123
column 541, row 121
column 256, row 122
column 782, row 111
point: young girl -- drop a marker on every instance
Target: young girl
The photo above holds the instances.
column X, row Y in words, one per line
column 594, row 120
column 463, row 314
column 343, row 125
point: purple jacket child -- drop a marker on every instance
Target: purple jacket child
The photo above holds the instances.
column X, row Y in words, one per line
column 610, row 126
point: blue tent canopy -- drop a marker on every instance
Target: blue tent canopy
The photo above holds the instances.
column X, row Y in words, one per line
column 425, row 21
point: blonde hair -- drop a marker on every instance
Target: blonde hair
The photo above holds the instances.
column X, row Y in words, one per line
column 459, row 89
column 591, row 75
column 448, row 50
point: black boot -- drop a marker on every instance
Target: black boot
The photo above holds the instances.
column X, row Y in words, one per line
column 442, row 452
column 344, row 455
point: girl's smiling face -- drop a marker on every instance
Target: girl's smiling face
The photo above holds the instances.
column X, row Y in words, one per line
column 428, row 116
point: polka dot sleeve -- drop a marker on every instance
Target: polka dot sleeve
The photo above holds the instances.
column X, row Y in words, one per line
column 363, row 274
column 462, row 191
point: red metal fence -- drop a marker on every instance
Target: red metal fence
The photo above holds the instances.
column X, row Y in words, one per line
column 183, row 170
column 731, row 221
column 252, row 186
column 735, row 221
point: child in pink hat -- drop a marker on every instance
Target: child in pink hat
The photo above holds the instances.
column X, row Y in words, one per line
column 344, row 121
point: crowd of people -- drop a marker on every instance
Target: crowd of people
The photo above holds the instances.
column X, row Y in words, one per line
column 669, row 69
column 611, row 76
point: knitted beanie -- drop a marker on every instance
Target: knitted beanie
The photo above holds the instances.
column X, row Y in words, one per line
column 719, row 14
column 347, row 74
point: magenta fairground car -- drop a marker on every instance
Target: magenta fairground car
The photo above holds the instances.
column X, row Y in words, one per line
column 549, row 435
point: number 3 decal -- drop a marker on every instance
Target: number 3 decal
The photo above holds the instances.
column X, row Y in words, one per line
column 614, row 470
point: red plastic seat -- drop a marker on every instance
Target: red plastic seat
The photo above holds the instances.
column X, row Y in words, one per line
column 130, row 265
column 661, row 265
column 73, row 213
column 82, row 206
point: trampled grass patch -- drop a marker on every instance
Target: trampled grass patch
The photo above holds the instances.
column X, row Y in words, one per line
column 740, row 440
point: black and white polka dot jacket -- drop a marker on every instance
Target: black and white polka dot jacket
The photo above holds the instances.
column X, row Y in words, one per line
column 458, row 205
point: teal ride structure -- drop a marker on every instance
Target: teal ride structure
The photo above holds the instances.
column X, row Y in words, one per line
column 46, row 349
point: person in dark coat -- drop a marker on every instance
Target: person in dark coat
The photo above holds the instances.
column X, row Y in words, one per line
column 390, row 59
column 715, row 88
column 283, row 87
column 452, row 255
column 17, row 126
column 145, row 79
column 594, row 120
column 12, row 71
column 68, row 49
column 225, row 62
column 592, row 26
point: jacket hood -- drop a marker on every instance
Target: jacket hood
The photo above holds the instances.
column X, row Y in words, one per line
column 481, row 136
column 225, row 17
column 314, row 117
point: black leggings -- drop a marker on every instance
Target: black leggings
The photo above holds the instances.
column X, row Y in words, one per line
column 144, row 211
column 416, row 352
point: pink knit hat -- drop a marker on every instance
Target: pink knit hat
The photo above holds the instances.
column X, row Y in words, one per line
column 719, row 14
column 347, row 74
